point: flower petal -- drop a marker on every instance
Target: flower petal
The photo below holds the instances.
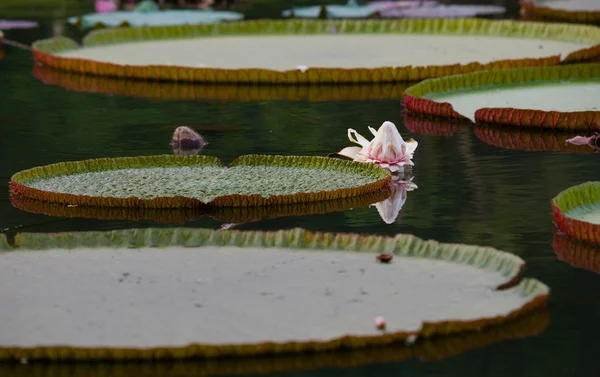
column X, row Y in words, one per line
column 350, row 152
column 358, row 139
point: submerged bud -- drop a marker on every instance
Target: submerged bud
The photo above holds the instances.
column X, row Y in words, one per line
column 186, row 138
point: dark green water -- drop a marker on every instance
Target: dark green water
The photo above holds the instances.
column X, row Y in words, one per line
column 469, row 192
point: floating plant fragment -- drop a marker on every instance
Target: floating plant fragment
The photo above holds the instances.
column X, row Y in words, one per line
column 350, row 10
column 580, row 11
column 577, row 253
column 387, row 149
column 390, row 208
column 533, row 140
column 563, row 97
column 17, row 24
column 357, row 53
column 192, row 181
column 182, row 215
column 260, row 279
column 592, row 141
column 576, row 212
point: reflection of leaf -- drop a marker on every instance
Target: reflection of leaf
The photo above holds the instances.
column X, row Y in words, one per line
column 431, row 126
column 528, row 139
column 180, row 215
column 578, row 254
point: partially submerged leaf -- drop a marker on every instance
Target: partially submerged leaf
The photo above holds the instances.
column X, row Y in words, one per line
column 444, row 11
column 246, row 293
column 576, row 212
column 355, row 53
column 578, row 254
column 17, row 24
column 192, row 181
column 563, row 97
column 332, row 11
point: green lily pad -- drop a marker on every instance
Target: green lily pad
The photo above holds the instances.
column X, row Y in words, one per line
column 543, row 97
column 192, row 181
column 564, row 10
column 228, row 293
column 576, row 212
column 319, row 51
column 430, row 349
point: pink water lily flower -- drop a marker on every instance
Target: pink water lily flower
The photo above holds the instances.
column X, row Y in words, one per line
column 387, row 149
column 390, row 208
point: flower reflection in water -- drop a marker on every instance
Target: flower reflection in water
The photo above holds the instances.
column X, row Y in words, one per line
column 390, row 208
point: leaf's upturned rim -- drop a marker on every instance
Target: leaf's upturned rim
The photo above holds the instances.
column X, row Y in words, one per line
column 578, row 254
column 571, row 198
column 402, row 245
column 45, row 51
column 19, row 181
column 415, row 101
column 531, row 140
column 191, row 91
column 431, row 349
column 431, row 126
column 181, row 215
column 550, row 13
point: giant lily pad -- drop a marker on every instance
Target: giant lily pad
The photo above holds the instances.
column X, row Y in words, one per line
column 576, row 212
column 192, row 181
column 430, row 349
column 245, row 293
column 136, row 18
column 349, row 10
column 577, row 253
column 444, row 11
column 319, row 51
column 562, row 97
column 192, row 91
column 564, row 10
column 181, row 215
column 532, row 140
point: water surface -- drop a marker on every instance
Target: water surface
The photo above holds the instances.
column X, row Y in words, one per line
column 469, row 191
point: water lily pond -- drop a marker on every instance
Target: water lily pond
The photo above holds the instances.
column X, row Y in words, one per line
column 455, row 183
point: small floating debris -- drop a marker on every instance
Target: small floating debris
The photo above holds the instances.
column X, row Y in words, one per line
column 380, row 323
column 17, row 24
column 593, row 141
column 385, row 258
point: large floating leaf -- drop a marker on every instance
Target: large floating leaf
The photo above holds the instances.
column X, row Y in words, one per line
column 534, row 140
column 180, row 215
column 193, row 91
column 563, row 97
column 563, row 10
column 576, row 212
column 319, row 51
column 228, row 293
column 430, row 349
column 158, row 18
column 578, row 254
column 192, row 181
